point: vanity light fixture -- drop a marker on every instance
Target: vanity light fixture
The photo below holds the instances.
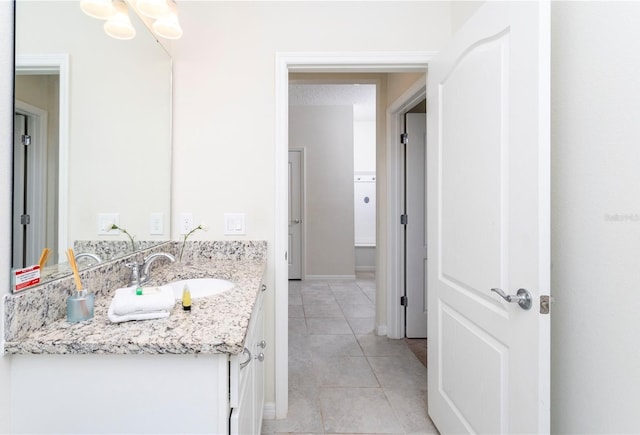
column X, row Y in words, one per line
column 119, row 25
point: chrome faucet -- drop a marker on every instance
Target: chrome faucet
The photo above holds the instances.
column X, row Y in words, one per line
column 89, row 255
column 140, row 271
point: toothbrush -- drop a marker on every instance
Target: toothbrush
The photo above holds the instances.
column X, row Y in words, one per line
column 44, row 257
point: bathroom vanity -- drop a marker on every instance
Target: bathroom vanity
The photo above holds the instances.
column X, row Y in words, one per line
column 198, row 371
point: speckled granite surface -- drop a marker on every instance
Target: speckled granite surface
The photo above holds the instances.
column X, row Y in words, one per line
column 106, row 250
column 216, row 324
column 111, row 249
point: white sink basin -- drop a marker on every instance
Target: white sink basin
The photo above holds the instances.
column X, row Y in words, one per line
column 200, row 287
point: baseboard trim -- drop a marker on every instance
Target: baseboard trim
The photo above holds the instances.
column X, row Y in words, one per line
column 330, row 277
column 269, row 411
column 381, row 330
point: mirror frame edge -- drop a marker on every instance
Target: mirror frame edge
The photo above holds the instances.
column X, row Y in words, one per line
column 62, row 62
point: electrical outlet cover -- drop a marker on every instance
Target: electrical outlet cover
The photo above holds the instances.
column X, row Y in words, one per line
column 186, row 222
column 105, row 220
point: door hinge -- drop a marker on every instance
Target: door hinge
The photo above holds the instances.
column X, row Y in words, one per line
column 25, row 219
column 26, row 140
column 403, row 301
column 404, row 138
column 544, row 304
column 404, row 219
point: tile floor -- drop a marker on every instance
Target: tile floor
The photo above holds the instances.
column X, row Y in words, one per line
column 342, row 377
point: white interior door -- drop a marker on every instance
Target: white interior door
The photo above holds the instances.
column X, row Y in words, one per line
column 488, row 222
column 415, row 255
column 295, row 214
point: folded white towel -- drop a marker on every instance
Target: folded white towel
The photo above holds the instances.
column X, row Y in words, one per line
column 153, row 304
column 140, row 316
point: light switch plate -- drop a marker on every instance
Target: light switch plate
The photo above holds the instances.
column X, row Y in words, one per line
column 234, row 224
column 105, row 220
column 156, row 224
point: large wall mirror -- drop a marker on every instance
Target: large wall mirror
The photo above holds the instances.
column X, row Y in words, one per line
column 96, row 115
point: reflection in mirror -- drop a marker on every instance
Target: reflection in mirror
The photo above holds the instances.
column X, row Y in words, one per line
column 91, row 138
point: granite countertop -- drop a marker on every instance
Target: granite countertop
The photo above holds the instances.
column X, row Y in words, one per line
column 215, row 324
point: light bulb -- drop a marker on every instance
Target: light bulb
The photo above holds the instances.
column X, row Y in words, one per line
column 167, row 25
column 119, row 26
column 152, row 8
column 101, row 9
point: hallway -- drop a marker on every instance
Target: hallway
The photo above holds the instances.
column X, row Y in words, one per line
column 342, row 377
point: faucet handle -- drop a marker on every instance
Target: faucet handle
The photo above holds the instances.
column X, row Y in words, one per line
column 135, row 273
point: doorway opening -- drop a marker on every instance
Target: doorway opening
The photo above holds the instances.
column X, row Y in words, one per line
column 407, row 199
column 413, row 150
column 332, row 173
column 386, row 280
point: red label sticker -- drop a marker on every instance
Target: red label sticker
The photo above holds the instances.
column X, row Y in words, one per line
column 27, row 277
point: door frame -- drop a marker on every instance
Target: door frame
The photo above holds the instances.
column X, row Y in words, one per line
column 37, row 197
column 286, row 62
column 395, row 258
column 34, row 64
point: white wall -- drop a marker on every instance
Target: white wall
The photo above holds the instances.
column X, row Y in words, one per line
column 364, row 145
column 595, row 217
column 6, row 152
column 326, row 134
column 398, row 83
column 224, row 106
column 461, row 10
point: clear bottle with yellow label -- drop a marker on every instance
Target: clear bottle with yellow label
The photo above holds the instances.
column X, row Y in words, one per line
column 186, row 299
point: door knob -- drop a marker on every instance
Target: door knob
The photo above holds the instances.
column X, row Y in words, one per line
column 522, row 297
column 296, row 221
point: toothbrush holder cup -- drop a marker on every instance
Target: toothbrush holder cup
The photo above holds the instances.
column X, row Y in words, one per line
column 80, row 306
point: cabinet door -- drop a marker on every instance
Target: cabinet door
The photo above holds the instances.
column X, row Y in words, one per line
column 258, row 372
column 242, row 419
column 247, row 383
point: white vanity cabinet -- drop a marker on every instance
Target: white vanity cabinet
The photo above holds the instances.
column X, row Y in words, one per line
column 142, row 393
column 247, row 378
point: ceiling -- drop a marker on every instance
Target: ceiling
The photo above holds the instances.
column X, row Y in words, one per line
column 361, row 96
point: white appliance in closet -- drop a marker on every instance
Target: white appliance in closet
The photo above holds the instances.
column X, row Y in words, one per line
column 364, row 208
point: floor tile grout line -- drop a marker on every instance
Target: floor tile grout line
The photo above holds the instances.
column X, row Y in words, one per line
column 353, row 333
